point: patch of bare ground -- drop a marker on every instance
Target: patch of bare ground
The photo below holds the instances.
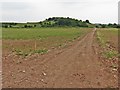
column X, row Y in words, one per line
column 76, row 66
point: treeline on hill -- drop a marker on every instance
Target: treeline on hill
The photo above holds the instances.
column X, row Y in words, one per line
column 58, row 22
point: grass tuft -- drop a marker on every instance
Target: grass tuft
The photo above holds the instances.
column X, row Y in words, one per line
column 21, row 53
column 42, row 51
column 110, row 54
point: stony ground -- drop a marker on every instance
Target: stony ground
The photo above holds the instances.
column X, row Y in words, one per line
column 77, row 66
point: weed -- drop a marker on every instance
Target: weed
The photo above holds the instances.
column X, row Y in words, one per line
column 21, row 53
column 42, row 51
column 110, row 54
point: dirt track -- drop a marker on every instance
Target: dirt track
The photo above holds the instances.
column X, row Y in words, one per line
column 77, row 66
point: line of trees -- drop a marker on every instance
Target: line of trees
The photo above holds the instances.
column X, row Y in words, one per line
column 108, row 25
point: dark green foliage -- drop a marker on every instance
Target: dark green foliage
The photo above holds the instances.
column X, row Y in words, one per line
column 107, row 25
column 103, row 25
column 25, row 26
column 28, row 26
column 113, row 25
column 87, row 21
column 61, row 21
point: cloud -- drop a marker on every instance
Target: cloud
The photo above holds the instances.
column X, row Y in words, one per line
column 14, row 5
column 97, row 11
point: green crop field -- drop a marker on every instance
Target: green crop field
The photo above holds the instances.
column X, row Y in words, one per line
column 30, row 39
column 40, row 33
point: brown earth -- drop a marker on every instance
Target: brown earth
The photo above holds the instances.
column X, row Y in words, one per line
column 77, row 66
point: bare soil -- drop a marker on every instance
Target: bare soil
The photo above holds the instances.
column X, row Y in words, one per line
column 77, row 66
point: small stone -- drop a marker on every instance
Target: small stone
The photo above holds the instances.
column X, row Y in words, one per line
column 114, row 69
column 42, row 80
column 115, row 76
column 12, row 75
column 44, row 73
column 23, row 71
column 26, row 80
column 19, row 62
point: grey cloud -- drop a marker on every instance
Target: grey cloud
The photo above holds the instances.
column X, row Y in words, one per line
column 14, row 5
column 94, row 10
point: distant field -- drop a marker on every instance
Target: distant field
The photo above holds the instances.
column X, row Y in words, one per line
column 40, row 33
column 109, row 41
column 109, row 35
column 39, row 38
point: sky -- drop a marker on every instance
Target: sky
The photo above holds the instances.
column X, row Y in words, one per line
column 97, row 11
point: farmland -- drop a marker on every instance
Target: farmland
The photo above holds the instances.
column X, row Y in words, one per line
column 50, row 44
column 41, row 33
column 28, row 40
column 60, row 57
column 109, row 41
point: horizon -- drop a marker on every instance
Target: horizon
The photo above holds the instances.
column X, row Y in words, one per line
column 47, row 18
column 34, row 11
